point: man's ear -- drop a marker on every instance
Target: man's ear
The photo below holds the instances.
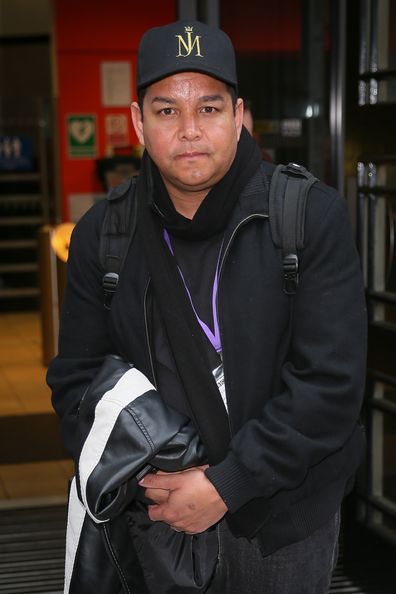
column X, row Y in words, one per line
column 137, row 120
column 238, row 115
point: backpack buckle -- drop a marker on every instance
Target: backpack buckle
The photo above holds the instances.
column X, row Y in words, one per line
column 296, row 168
column 109, row 283
column 290, row 274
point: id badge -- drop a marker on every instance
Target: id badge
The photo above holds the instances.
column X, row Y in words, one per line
column 218, row 374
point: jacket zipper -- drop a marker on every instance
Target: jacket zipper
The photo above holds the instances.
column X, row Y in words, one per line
column 222, row 262
column 224, row 256
column 123, row 580
column 147, row 335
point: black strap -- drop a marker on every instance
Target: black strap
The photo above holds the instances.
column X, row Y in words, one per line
column 289, row 188
column 118, row 229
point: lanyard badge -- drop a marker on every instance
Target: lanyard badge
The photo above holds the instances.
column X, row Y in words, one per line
column 218, row 374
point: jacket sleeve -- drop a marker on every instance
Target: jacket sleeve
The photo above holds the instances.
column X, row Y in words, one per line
column 125, row 426
column 316, row 410
column 109, row 410
column 83, row 336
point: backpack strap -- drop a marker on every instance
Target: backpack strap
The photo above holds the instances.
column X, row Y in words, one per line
column 289, row 188
column 118, row 228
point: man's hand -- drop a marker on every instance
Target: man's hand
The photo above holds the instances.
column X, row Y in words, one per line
column 187, row 500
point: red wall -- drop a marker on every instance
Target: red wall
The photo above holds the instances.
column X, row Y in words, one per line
column 86, row 34
column 263, row 26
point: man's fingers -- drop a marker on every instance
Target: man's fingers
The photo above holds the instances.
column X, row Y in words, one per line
column 157, row 495
column 159, row 481
column 163, row 513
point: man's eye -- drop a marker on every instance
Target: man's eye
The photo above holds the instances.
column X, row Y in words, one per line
column 167, row 111
column 208, row 109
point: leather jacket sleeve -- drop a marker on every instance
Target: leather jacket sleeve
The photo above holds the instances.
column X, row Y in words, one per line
column 126, row 430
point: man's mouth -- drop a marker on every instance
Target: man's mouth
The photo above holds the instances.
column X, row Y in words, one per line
column 190, row 155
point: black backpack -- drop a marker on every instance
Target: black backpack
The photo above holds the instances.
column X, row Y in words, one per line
column 289, row 188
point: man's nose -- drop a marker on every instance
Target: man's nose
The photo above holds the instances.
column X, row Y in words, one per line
column 189, row 127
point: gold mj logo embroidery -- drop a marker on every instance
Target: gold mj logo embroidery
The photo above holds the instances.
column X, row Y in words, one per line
column 189, row 45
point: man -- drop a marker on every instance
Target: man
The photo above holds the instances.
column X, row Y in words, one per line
column 248, row 116
column 201, row 297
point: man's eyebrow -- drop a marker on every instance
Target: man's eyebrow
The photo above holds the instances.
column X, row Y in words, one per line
column 159, row 99
column 209, row 98
column 203, row 99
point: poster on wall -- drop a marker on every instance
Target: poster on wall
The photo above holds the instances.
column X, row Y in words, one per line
column 81, row 135
column 80, row 203
column 117, row 131
column 116, row 84
column 16, row 153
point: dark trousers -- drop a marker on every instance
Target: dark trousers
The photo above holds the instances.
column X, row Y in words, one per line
column 304, row 567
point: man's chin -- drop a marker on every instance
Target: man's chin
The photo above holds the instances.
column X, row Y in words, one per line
column 195, row 182
column 195, row 186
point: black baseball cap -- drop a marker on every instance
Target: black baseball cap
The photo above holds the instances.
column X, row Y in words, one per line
column 185, row 46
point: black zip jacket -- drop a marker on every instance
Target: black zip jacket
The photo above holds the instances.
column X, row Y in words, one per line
column 294, row 365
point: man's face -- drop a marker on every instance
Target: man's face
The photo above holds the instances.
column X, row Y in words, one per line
column 190, row 129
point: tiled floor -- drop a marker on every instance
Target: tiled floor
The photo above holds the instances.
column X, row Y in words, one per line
column 22, row 375
column 23, row 391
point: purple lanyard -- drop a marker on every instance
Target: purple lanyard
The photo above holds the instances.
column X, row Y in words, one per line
column 214, row 337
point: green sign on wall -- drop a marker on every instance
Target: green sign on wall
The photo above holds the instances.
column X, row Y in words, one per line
column 81, row 135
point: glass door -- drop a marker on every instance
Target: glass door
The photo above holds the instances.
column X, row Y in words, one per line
column 376, row 191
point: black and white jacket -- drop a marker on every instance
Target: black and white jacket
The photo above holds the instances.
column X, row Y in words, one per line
column 126, row 430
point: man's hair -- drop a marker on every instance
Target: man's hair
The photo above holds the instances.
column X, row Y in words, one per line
column 230, row 89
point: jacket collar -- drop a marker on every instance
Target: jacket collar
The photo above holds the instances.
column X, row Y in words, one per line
column 254, row 198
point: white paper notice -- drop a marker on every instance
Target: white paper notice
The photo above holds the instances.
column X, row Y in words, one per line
column 116, row 84
column 117, row 132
